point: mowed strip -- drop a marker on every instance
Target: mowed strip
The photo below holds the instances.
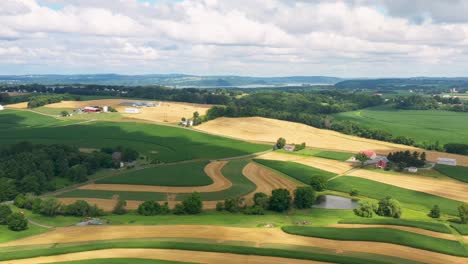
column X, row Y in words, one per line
column 334, row 166
column 213, row 170
column 259, row 129
column 403, row 228
column 447, row 188
column 266, row 180
column 260, row 236
column 162, row 254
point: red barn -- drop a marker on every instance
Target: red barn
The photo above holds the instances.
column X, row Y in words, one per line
column 382, row 164
column 369, row 153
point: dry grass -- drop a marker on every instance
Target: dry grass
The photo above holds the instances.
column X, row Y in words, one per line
column 260, row 129
column 213, row 170
column 23, row 105
column 259, row 236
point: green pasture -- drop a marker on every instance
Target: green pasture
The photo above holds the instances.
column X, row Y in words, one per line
column 433, row 226
column 8, row 235
column 165, row 143
column 308, row 152
column 461, row 228
column 297, row 171
column 232, row 171
column 457, row 172
column 184, row 174
column 385, row 235
column 422, row 125
column 412, row 199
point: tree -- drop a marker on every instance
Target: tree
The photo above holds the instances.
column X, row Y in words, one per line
column 64, row 113
column 233, row 204
column 280, row 143
column 319, row 183
column 254, row 210
column 179, row 209
column 17, row 222
column 389, row 207
column 366, row 209
column 435, row 212
column 36, row 205
column 280, row 200
column 119, row 207
column 50, row 207
column 193, row 204
column 354, row 192
column 423, row 156
column 78, row 173
column 219, row 206
column 5, row 212
column 148, row 208
column 304, row 197
column 7, row 189
column 463, row 213
column 361, row 157
column 261, row 199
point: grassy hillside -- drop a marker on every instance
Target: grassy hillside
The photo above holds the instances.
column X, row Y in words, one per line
column 422, row 125
column 165, row 143
column 186, row 174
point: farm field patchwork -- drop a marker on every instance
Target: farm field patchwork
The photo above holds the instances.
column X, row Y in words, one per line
column 334, row 155
column 457, row 172
column 422, row 125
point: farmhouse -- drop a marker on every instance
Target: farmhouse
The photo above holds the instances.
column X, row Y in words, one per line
column 382, row 163
column 447, row 161
column 1, row 107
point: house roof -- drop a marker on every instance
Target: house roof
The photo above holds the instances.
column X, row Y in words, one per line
column 368, row 153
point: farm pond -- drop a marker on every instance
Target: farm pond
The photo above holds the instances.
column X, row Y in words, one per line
column 335, row 202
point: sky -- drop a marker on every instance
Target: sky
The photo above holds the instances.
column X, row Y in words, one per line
column 353, row 38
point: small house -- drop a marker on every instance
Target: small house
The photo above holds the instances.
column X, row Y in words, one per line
column 412, row 169
column 289, row 147
column 447, row 161
column 382, row 164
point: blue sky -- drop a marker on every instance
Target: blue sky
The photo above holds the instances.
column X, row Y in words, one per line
column 353, row 38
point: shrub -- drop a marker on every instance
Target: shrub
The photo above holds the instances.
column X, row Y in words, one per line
column 17, row 222
column 234, row 204
column 389, row 207
column 319, row 183
column 366, row 209
column 149, row 208
column 119, row 207
column 280, row 200
column 304, row 197
column 435, row 212
column 179, row 209
column 50, row 207
column 5, row 212
column 354, row 192
column 82, row 208
column 261, row 199
column 36, row 205
column 254, row 210
column 280, row 143
column 463, row 213
column 193, row 204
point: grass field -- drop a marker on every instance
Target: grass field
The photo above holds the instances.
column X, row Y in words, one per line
column 8, row 235
column 437, row 227
column 232, row 171
column 164, row 143
column 422, row 125
column 382, row 235
column 412, row 199
column 457, row 172
column 297, row 171
column 461, row 228
column 334, row 155
column 185, row 174
column 120, row 261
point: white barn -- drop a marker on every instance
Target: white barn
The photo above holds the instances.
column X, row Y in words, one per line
column 447, row 161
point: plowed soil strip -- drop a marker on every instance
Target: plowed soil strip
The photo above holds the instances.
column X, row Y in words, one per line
column 213, row 170
column 266, row 180
column 404, row 228
column 162, row 254
column 260, row 236
column 447, row 188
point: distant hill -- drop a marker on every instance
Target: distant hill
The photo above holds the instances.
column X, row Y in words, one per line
column 392, row 83
column 176, row 80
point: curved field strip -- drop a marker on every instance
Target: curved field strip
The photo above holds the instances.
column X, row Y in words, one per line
column 404, row 228
column 260, row 236
column 162, row 254
column 259, row 129
column 266, row 180
column 447, row 188
column 334, row 166
column 23, row 105
column 213, row 170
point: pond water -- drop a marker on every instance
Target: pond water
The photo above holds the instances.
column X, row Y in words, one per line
column 335, row 202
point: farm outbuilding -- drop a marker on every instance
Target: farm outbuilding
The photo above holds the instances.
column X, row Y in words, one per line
column 1, row 107
column 447, row 161
column 131, row 110
column 412, row 169
column 289, row 147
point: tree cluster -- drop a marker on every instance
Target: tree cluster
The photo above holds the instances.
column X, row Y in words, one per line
column 406, row 158
column 41, row 100
column 385, row 207
column 456, row 148
column 191, row 205
column 14, row 221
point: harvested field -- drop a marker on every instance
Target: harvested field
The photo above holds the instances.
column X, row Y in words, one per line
column 259, row 236
column 23, row 105
column 404, row 228
column 334, row 166
column 162, row 254
column 109, row 204
column 213, row 170
column 260, row 129
column 447, row 188
column 171, row 112
column 266, row 180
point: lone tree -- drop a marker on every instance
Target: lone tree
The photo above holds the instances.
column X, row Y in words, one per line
column 17, row 222
column 319, row 183
column 5, row 212
column 64, row 113
column 280, row 143
column 304, row 197
column 261, row 199
column 119, row 207
column 361, row 157
column 280, row 200
column 435, row 212
column 463, row 213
